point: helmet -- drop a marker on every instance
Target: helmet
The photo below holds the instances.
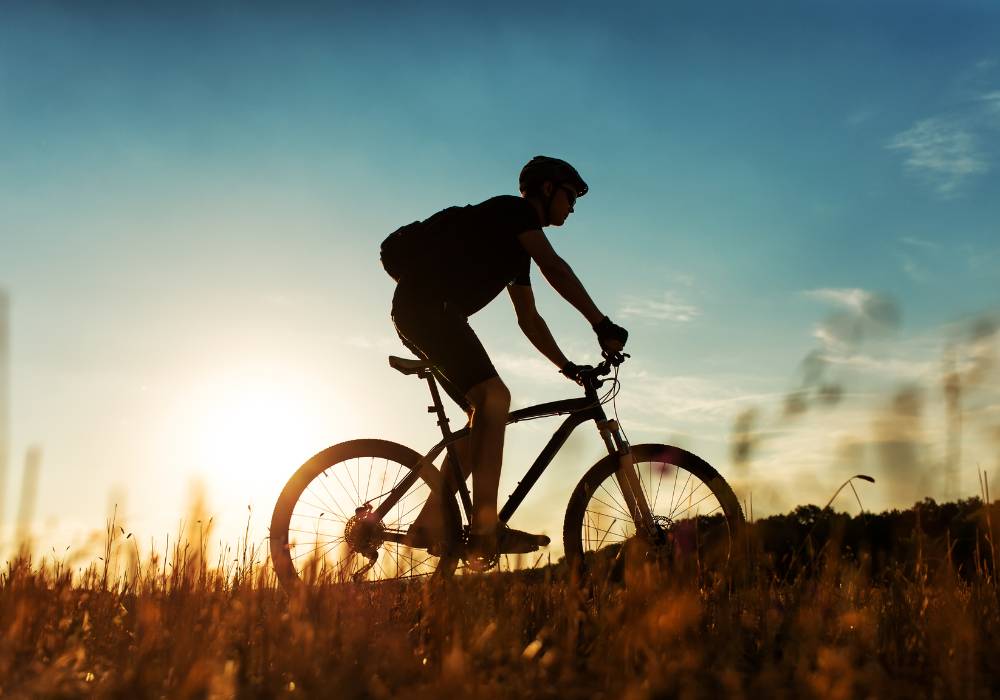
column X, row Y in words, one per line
column 542, row 168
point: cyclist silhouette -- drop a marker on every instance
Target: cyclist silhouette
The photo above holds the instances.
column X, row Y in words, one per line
column 455, row 264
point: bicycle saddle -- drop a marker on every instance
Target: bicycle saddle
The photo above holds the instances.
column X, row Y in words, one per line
column 402, row 364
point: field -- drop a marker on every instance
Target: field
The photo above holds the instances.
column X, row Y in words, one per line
column 899, row 604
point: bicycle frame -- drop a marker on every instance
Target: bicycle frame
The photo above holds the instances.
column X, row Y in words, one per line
column 579, row 411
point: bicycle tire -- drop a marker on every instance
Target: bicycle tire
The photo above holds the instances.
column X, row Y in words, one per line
column 338, row 473
column 679, row 540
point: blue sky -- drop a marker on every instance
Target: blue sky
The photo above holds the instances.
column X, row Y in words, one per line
column 191, row 201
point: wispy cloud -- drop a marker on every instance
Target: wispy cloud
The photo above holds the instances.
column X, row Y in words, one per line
column 914, row 251
column 382, row 343
column 533, row 368
column 859, row 117
column 913, row 269
column 667, row 308
column 850, row 298
column 680, row 403
column 992, row 100
column 942, row 150
column 887, row 367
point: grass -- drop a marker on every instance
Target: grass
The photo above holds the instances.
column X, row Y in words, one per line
column 911, row 612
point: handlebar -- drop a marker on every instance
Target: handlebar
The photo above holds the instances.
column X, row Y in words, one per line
column 589, row 375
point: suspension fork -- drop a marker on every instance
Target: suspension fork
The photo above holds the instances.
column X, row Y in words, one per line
column 628, row 479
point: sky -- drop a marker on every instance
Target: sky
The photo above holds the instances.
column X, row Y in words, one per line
column 793, row 208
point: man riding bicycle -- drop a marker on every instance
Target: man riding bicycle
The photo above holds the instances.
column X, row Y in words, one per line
column 451, row 266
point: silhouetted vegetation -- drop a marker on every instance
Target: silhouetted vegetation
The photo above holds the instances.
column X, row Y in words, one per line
column 928, row 537
column 829, row 605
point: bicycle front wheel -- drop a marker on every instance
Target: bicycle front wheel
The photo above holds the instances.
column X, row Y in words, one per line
column 696, row 518
column 326, row 526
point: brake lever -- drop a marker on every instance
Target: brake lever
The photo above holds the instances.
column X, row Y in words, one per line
column 614, row 358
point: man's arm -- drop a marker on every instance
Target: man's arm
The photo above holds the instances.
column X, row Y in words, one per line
column 559, row 274
column 533, row 325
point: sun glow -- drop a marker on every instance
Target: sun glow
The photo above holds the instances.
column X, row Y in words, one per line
column 245, row 432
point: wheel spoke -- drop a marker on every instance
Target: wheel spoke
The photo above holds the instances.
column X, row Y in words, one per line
column 354, row 478
column 612, row 507
column 606, row 533
column 305, row 532
column 315, row 550
column 339, row 482
column 680, row 501
column 686, row 481
column 368, row 483
column 420, row 503
column 700, row 500
column 334, row 498
column 322, row 517
column 321, row 509
column 604, row 522
column 656, row 498
column 673, row 490
column 318, row 521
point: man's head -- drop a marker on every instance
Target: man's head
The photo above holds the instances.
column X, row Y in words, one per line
column 553, row 185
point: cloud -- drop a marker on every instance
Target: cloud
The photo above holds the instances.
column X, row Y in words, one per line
column 886, row 367
column 670, row 400
column 850, row 298
column 913, row 270
column 915, row 250
column 669, row 308
column 944, row 151
column 992, row 100
column 860, row 116
column 531, row 367
column 382, row 343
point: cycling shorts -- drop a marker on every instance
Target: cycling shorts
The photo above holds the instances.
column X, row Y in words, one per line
column 437, row 331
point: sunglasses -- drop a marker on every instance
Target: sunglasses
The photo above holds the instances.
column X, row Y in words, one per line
column 570, row 194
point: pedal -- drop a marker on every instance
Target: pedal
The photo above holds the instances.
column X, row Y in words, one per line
column 524, row 545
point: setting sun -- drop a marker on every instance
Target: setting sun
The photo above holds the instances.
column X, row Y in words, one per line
column 245, row 431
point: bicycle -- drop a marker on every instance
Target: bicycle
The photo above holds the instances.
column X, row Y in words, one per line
column 356, row 500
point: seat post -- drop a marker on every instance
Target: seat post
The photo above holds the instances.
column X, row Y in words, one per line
column 438, row 407
column 452, row 476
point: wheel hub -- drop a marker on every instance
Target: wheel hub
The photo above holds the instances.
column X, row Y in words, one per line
column 364, row 532
column 662, row 537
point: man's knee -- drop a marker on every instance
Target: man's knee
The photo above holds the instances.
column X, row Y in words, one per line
column 491, row 396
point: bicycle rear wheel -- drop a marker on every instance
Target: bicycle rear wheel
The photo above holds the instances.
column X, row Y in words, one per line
column 697, row 519
column 325, row 529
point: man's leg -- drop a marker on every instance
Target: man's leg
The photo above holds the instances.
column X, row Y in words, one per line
column 490, row 401
column 462, row 450
column 428, row 523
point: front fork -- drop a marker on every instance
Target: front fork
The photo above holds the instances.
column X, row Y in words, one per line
column 628, row 479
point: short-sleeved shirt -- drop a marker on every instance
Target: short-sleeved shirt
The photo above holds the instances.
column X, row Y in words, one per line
column 471, row 264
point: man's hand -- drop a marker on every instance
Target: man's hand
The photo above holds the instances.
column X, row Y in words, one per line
column 571, row 371
column 611, row 337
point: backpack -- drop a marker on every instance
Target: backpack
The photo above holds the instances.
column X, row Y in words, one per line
column 412, row 246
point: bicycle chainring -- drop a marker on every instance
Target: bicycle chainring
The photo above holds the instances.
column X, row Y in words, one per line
column 479, row 564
